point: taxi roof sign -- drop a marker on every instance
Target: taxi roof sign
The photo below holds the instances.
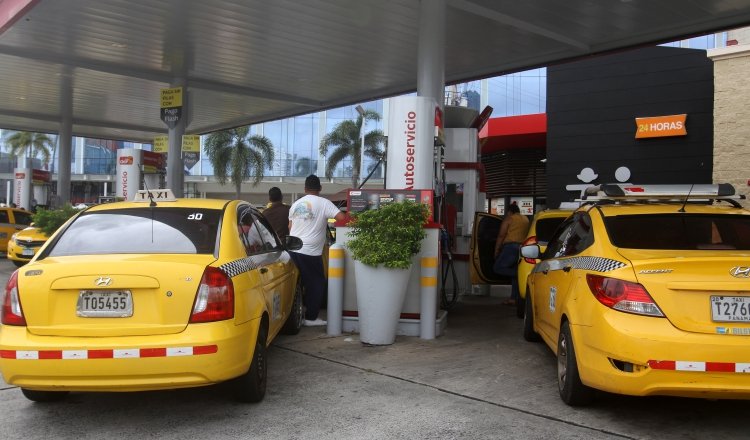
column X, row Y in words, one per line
column 156, row 195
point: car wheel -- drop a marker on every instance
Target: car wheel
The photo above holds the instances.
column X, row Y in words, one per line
column 520, row 307
column 528, row 321
column 251, row 386
column 44, row 396
column 293, row 323
column 572, row 390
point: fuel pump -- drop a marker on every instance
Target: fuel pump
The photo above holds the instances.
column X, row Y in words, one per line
column 412, row 173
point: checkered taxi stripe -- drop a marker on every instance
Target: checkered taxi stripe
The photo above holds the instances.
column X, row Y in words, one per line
column 109, row 354
column 236, row 267
column 596, row 264
column 711, row 367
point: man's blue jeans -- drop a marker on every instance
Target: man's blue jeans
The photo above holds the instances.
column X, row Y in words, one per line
column 506, row 265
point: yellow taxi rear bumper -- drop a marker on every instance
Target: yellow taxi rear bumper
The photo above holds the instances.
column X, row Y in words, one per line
column 638, row 355
column 202, row 354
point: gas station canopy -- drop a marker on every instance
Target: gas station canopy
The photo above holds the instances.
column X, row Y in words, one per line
column 250, row 61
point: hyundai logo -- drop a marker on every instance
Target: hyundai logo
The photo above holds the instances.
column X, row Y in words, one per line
column 740, row 272
column 103, row 282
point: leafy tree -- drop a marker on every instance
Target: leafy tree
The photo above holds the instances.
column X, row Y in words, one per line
column 26, row 143
column 303, row 167
column 237, row 157
column 345, row 141
column 50, row 220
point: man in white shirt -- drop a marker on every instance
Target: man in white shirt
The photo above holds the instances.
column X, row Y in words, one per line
column 308, row 220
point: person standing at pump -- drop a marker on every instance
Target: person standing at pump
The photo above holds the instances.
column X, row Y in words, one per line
column 308, row 220
column 277, row 213
column 512, row 232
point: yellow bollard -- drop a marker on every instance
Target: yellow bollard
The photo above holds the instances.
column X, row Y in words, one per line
column 428, row 297
column 335, row 289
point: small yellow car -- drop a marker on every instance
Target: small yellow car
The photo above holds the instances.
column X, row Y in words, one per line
column 12, row 220
column 24, row 244
column 542, row 226
column 157, row 293
column 645, row 290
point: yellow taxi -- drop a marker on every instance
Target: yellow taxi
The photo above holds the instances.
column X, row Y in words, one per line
column 542, row 226
column 12, row 220
column 645, row 290
column 157, row 293
column 24, row 244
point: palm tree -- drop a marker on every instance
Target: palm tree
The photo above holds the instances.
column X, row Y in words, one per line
column 346, row 142
column 237, row 157
column 30, row 145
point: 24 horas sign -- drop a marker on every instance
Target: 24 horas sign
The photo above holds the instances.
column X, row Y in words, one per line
column 661, row 126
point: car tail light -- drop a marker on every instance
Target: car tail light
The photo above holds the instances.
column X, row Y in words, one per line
column 214, row 300
column 11, row 311
column 623, row 295
column 528, row 241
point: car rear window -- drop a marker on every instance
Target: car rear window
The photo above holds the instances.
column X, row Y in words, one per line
column 545, row 227
column 141, row 230
column 680, row 231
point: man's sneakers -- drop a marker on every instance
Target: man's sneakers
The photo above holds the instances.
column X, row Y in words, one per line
column 316, row 323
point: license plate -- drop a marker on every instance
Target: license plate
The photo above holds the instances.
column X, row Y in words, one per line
column 104, row 304
column 27, row 252
column 730, row 308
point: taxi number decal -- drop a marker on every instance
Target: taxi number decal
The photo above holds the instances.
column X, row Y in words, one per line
column 195, row 216
column 552, row 297
column 276, row 306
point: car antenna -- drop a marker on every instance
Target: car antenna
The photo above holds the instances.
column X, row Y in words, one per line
column 152, row 203
column 682, row 208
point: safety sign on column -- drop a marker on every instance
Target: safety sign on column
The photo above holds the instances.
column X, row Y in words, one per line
column 171, row 106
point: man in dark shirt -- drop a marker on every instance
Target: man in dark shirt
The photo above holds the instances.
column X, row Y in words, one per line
column 277, row 213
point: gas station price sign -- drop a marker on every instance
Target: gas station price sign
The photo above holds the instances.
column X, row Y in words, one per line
column 365, row 199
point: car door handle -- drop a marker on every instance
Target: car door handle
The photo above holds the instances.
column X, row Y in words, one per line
column 263, row 270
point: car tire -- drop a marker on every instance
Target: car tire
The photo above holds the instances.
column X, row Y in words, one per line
column 572, row 390
column 251, row 386
column 19, row 263
column 296, row 316
column 528, row 321
column 520, row 307
column 44, row 396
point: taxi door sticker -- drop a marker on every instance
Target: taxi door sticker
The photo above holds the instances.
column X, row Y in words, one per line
column 276, row 306
column 552, row 297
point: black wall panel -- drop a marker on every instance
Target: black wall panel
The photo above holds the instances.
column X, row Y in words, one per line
column 591, row 109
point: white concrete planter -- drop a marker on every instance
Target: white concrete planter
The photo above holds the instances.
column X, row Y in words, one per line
column 380, row 298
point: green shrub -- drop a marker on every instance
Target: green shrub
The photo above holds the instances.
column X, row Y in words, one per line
column 390, row 235
column 50, row 220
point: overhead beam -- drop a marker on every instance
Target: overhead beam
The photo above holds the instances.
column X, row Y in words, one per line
column 79, row 121
column 505, row 19
column 149, row 74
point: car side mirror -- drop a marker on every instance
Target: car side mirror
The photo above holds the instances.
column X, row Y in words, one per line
column 292, row 243
column 530, row 251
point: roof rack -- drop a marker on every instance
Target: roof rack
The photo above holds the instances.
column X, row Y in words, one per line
column 628, row 192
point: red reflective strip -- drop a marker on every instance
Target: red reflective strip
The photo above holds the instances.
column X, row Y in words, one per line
column 153, row 352
column 100, row 354
column 205, row 349
column 662, row 365
column 726, row 367
column 7, row 354
column 50, row 354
